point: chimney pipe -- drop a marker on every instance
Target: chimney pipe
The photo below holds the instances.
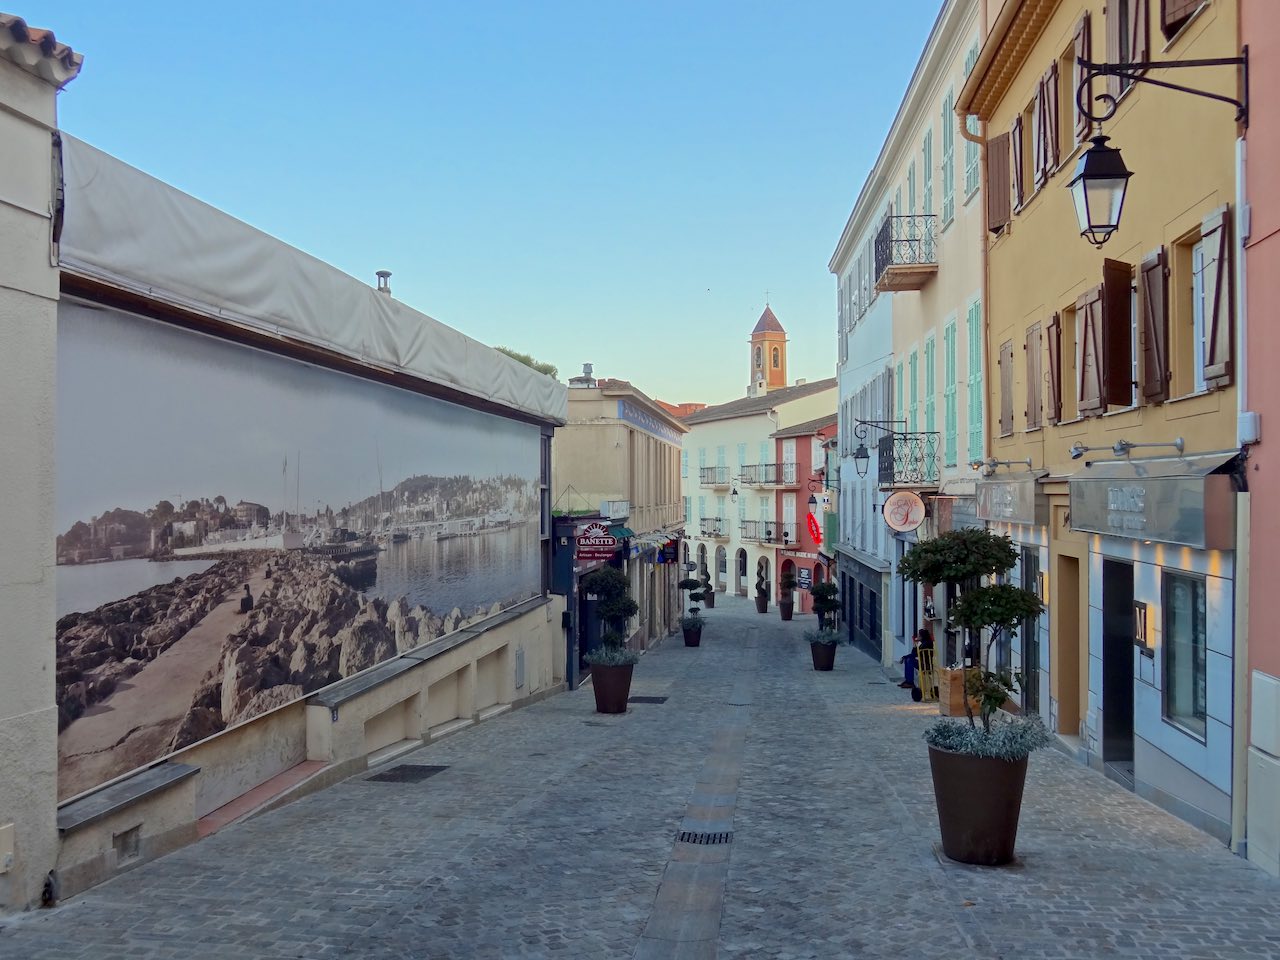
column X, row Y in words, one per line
column 384, row 282
column 586, row 370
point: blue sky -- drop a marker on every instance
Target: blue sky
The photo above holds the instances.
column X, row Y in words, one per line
column 609, row 182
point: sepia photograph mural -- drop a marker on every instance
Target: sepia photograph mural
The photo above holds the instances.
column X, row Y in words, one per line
column 237, row 529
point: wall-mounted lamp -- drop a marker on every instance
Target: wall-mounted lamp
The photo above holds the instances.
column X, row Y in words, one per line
column 1121, row 448
column 989, row 466
column 813, row 503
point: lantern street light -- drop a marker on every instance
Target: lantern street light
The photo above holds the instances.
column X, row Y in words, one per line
column 861, row 459
column 1098, row 189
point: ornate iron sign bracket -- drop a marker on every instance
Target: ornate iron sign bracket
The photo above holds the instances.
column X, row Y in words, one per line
column 1135, row 72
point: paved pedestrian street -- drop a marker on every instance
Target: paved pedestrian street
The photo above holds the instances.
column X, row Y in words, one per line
column 553, row 833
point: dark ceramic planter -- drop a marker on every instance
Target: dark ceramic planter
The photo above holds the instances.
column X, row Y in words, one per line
column 692, row 636
column 786, row 608
column 979, row 799
column 612, row 686
column 709, row 601
column 762, row 604
column 824, row 655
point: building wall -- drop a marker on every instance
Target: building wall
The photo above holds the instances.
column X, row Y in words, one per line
column 806, row 552
column 28, row 321
column 1260, row 29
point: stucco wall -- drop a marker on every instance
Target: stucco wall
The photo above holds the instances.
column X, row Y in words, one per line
column 28, row 327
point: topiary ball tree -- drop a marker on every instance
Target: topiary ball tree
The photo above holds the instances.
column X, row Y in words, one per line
column 615, row 605
column 825, row 602
column 694, row 586
column 964, row 558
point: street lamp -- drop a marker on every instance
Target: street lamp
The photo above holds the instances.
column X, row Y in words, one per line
column 813, row 503
column 861, row 459
column 1098, row 189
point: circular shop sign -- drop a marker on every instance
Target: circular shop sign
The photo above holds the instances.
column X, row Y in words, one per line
column 904, row 511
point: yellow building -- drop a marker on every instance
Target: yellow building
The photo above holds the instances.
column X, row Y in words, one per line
column 619, row 455
column 1092, row 351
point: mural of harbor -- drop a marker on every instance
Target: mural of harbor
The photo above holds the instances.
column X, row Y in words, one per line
column 237, row 530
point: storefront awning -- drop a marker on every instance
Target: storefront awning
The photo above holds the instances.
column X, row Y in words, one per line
column 1189, row 501
column 621, row 531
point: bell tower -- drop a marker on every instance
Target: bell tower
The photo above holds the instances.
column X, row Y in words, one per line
column 768, row 355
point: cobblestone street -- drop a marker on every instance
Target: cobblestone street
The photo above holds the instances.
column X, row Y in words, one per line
column 552, row 834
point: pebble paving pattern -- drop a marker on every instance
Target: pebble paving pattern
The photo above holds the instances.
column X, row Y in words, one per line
column 553, row 834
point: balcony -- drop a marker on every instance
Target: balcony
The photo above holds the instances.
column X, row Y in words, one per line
column 906, row 258
column 713, row 476
column 714, row 528
column 909, row 460
column 768, row 531
column 769, row 474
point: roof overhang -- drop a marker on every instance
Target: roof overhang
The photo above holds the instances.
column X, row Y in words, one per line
column 1016, row 29
column 38, row 51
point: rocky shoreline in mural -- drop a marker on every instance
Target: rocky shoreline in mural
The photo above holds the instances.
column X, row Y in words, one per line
column 308, row 628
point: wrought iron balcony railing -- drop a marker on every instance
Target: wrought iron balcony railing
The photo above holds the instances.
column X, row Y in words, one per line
column 713, row 476
column 715, row 527
column 768, row 531
column 769, row 474
column 909, row 459
column 905, row 252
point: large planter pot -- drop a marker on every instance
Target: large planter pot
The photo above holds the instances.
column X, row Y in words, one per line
column 709, row 601
column 692, row 636
column 762, row 604
column 612, row 686
column 786, row 608
column 979, row 799
column 824, row 655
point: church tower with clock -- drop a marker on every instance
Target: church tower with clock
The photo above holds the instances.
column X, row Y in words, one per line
column 768, row 355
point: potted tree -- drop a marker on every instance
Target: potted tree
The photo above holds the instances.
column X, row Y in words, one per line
column 825, row 603
column 787, row 598
column 822, row 645
column 979, row 770
column 691, row 624
column 613, row 661
column 762, row 590
column 708, row 592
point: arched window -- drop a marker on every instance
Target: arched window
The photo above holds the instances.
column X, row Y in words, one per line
column 776, row 358
column 759, row 361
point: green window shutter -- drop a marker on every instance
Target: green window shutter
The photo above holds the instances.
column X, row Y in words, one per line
column 684, row 463
column 702, row 507
column 948, row 158
column 930, row 366
column 702, row 457
column 742, row 454
column 720, row 511
column 971, row 151
column 764, row 452
column 720, row 456
column 926, row 148
column 912, row 422
column 975, row 394
column 950, row 448
column 900, row 410
column 911, row 188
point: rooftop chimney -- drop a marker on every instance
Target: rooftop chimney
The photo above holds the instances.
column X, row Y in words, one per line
column 384, row 282
column 585, row 379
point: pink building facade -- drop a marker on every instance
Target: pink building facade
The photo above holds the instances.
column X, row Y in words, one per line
column 803, row 556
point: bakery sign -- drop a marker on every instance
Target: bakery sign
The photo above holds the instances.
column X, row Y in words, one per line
column 596, row 543
column 904, row 511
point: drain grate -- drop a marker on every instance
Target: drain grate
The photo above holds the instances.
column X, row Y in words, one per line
column 647, row 700
column 406, row 773
column 689, row 836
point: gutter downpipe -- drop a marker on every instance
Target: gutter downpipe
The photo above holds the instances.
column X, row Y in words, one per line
column 980, row 138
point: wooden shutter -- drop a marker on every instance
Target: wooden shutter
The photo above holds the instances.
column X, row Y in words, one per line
column 1215, row 234
column 1117, row 331
column 998, row 209
column 1089, row 324
column 1083, row 49
column 1051, row 120
column 1015, row 161
column 1039, row 142
column 1006, row 388
column 1055, row 369
column 1154, row 286
column 1115, row 32
column 1139, row 19
column 1034, row 402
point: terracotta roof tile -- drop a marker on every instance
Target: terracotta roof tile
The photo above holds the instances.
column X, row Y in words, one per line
column 768, row 323
column 38, row 51
column 749, row 406
column 809, row 427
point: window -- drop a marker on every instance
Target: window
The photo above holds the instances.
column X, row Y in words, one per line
column 1185, row 651
column 1068, row 377
column 702, row 507
column 1106, row 320
column 897, row 202
column 950, row 425
column 930, row 384
column 1045, row 124
column 971, row 151
column 912, row 424
column 911, row 188
column 1126, row 38
column 999, row 187
column 776, row 357
column 901, row 409
column 948, row 158
column 1197, row 314
column 1174, row 15
column 742, row 454
column 974, row 393
column 1006, row 388
column 1081, row 49
column 1201, row 319
column 687, row 517
column 759, row 357
column 1017, row 165
column 1034, row 402
column 684, row 463
column 926, row 149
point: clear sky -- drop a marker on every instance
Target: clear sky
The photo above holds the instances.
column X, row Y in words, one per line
column 595, row 181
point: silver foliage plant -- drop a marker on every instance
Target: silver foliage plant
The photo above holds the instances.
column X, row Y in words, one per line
column 1009, row 739
column 828, row 638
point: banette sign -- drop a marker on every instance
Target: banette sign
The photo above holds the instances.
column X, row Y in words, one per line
column 596, row 543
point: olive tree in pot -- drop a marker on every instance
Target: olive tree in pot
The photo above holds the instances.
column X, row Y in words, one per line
column 979, row 769
column 762, row 590
column 691, row 624
column 787, row 599
column 822, row 645
column 825, row 603
column 612, row 661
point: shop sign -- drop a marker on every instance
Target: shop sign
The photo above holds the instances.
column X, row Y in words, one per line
column 596, row 543
column 1190, row 511
column 904, row 511
column 669, row 552
column 804, row 578
column 1012, row 501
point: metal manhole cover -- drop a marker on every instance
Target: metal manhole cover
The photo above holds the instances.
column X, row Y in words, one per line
column 689, row 836
column 406, row 773
column 647, row 700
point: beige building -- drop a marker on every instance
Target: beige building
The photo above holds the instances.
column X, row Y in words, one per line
column 619, row 455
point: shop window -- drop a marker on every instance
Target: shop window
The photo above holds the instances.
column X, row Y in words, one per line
column 1185, row 651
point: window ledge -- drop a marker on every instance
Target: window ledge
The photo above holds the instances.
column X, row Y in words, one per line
column 1187, row 396
column 1115, row 413
column 971, row 194
column 1032, row 430
column 1070, row 423
column 1190, row 734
